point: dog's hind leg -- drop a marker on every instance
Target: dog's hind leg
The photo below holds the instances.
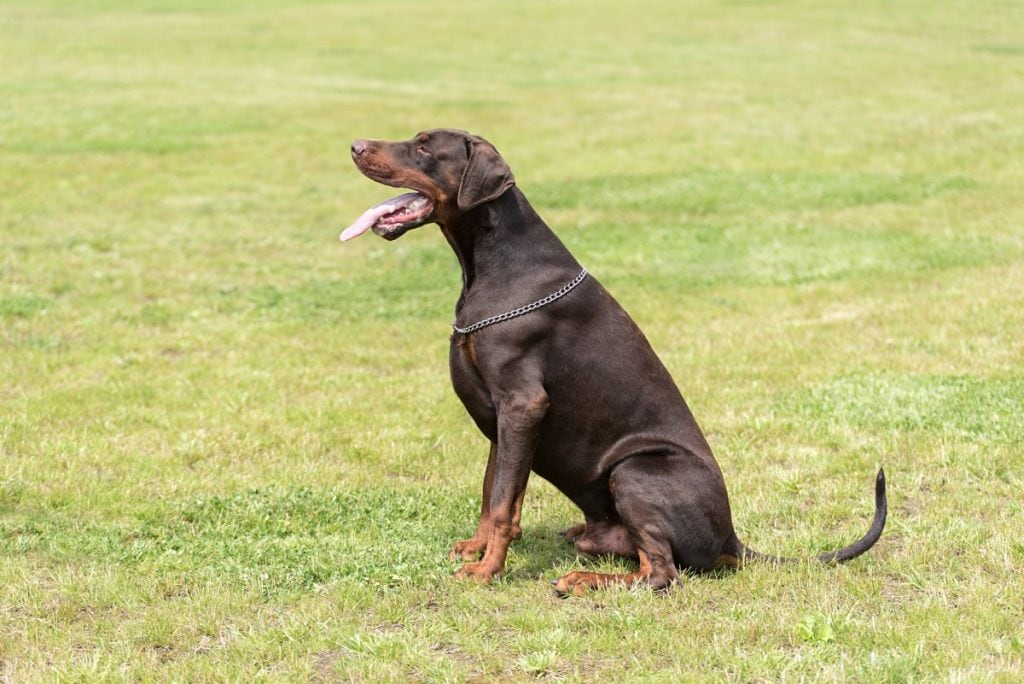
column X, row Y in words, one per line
column 675, row 513
column 659, row 577
column 574, row 532
column 602, row 538
column 646, row 537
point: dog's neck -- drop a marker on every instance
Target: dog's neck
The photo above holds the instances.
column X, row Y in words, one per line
column 506, row 250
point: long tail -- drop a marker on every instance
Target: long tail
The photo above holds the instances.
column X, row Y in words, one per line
column 847, row 552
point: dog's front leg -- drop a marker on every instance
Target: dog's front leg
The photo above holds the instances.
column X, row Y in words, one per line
column 470, row 549
column 519, row 418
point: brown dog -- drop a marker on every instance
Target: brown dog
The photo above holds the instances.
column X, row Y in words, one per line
column 559, row 378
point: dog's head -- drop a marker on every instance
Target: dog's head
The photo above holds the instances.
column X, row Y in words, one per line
column 450, row 172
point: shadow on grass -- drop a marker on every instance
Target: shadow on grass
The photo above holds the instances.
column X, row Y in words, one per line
column 544, row 553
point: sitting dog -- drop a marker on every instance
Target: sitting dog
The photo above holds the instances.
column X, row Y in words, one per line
column 559, row 379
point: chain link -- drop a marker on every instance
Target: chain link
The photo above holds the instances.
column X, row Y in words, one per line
column 566, row 289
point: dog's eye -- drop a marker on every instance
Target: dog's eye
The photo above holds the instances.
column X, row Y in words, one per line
column 422, row 151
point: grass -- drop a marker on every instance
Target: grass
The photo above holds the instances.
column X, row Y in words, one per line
column 228, row 447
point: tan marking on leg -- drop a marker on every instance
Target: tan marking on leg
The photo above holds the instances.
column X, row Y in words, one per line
column 579, row 582
column 728, row 559
column 493, row 561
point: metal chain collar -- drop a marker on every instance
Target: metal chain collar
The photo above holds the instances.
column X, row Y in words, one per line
column 566, row 289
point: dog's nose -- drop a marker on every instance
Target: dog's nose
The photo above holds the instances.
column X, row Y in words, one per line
column 358, row 147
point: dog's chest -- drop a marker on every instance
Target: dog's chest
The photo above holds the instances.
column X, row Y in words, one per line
column 469, row 385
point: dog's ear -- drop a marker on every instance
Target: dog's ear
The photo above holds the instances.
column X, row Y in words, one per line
column 487, row 175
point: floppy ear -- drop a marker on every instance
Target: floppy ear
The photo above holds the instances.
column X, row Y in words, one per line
column 487, row 175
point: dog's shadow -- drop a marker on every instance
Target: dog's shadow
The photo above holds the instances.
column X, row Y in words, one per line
column 544, row 552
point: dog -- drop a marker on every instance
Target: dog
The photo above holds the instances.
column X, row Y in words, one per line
column 560, row 379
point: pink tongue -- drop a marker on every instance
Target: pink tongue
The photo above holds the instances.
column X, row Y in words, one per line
column 366, row 221
column 372, row 215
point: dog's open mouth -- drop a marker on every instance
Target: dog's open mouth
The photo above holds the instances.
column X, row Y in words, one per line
column 392, row 217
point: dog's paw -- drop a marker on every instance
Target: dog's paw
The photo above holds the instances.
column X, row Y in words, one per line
column 575, row 583
column 467, row 549
column 580, row 582
column 478, row 572
column 571, row 534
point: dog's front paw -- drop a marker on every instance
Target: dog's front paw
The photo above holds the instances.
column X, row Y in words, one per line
column 468, row 549
column 478, row 572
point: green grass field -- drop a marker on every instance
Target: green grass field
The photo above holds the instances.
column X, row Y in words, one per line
column 228, row 446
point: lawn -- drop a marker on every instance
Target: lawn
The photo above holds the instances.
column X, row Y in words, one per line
column 229, row 450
